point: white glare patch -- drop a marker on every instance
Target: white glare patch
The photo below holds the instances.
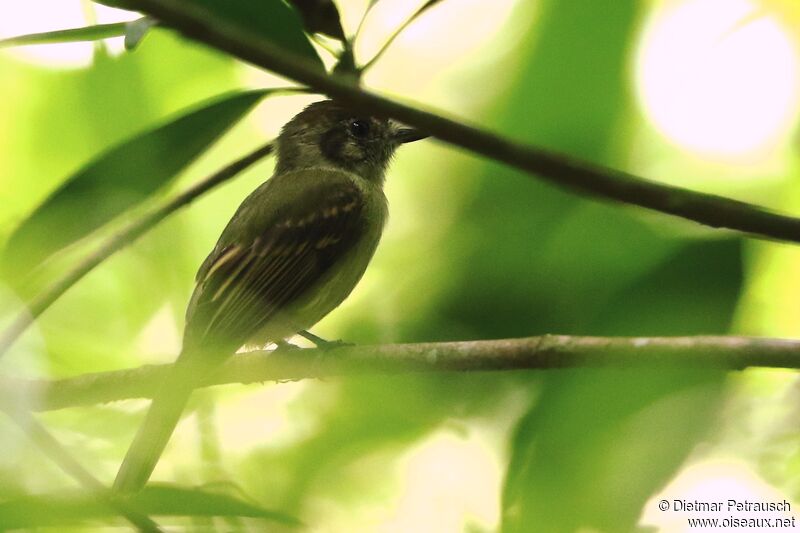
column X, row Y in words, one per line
column 703, row 490
column 719, row 77
column 38, row 16
column 451, row 483
column 262, row 417
column 160, row 337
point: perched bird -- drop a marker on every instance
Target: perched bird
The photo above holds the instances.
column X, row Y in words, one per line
column 293, row 251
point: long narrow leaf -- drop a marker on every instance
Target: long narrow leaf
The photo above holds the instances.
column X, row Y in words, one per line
column 121, row 178
column 89, row 33
column 272, row 20
column 156, row 500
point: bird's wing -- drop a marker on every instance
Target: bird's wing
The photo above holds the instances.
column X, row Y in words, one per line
column 270, row 254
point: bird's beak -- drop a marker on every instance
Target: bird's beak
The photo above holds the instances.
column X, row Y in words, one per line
column 407, row 135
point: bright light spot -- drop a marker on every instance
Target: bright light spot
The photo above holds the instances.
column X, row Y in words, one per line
column 160, row 337
column 719, row 77
column 37, row 16
column 714, row 481
column 244, row 420
column 423, row 54
column 261, row 418
column 46, row 15
column 451, row 483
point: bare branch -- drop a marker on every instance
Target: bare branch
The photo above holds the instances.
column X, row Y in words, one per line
column 546, row 352
column 118, row 241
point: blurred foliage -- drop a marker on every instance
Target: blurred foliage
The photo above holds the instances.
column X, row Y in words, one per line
column 158, row 500
column 122, row 177
column 320, row 16
column 474, row 251
column 273, row 20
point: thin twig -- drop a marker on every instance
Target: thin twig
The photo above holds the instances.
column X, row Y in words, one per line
column 559, row 169
column 118, row 241
column 354, row 38
column 360, row 26
column 427, row 5
column 66, row 462
column 546, row 352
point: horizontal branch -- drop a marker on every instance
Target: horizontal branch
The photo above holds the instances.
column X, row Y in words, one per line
column 584, row 177
column 546, row 352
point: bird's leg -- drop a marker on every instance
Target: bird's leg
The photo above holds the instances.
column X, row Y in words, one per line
column 321, row 343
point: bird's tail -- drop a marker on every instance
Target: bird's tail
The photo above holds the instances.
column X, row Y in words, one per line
column 159, row 423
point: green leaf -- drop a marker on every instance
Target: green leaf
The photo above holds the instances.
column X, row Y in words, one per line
column 154, row 500
column 272, row 20
column 600, row 442
column 121, row 178
column 320, row 16
column 165, row 499
column 89, row 33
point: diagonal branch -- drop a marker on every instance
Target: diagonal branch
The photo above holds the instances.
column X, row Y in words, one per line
column 545, row 352
column 560, row 169
column 45, row 441
column 118, row 241
column 400, row 29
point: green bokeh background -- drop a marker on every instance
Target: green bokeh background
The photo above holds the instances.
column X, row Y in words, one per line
column 474, row 250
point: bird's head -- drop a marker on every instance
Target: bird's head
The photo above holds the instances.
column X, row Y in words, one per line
column 328, row 134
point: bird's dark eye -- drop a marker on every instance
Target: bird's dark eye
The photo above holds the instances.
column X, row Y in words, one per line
column 359, row 128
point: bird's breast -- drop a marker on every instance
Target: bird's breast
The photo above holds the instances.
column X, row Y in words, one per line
column 344, row 275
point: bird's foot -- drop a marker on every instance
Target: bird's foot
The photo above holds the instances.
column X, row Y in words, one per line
column 321, row 343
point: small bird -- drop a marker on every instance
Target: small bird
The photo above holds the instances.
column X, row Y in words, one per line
column 293, row 251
